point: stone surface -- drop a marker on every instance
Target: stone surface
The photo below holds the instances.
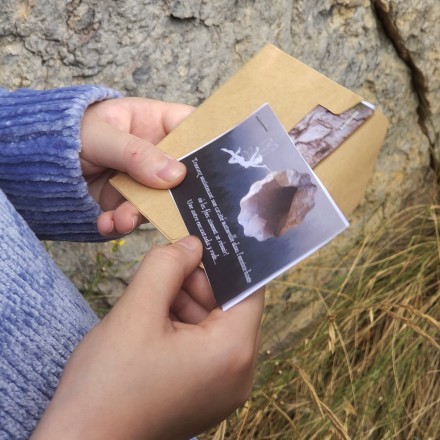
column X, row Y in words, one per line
column 413, row 29
column 182, row 50
column 179, row 50
column 102, row 270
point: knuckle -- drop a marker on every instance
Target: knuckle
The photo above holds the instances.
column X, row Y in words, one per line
column 134, row 150
column 144, row 161
column 169, row 254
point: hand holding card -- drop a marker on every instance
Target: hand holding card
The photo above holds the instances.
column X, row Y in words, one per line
column 144, row 372
column 255, row 204
column 302, row 99
column 278, row 201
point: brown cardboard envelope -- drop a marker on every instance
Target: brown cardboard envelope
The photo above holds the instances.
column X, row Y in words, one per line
column 292, row 89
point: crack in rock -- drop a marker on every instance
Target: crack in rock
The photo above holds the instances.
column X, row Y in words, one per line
column 385, row 12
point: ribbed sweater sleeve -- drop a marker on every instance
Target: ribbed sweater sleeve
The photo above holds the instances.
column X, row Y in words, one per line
column 39, row 160
column 42, row 319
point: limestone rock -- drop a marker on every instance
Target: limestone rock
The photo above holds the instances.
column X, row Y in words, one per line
column 180, row 50
column 276, row 204
column 102, row 271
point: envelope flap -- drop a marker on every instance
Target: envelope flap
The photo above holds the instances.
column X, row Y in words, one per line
column 270, row 71
column 289, row 86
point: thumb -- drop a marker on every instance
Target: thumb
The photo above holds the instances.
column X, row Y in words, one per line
column 106, row 146
column 161, row 275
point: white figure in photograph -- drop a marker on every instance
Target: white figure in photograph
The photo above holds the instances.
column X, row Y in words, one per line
column 252, row 157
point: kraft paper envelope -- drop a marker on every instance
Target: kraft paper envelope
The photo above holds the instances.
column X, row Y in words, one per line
column 292, row 89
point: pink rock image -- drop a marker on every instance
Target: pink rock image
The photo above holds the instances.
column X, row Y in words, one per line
column 276, row 204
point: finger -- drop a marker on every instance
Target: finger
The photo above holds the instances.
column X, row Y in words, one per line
column 127, row 218
column 174, row 114
column 105, row 193
column 198, row 287
column 187, row 310
column 149, row 119
column 162, row 117
column 161, row 275
column 250, row 311
column 106, row 146
column 105, row 223
column 237, row 334
column 173, row 317
column 120, row 221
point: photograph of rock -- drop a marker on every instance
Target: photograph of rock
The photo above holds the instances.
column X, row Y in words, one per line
column 276, row 204
column 320, row 131
column 255, row 204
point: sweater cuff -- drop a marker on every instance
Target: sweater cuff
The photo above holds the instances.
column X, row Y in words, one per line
column 40, row 169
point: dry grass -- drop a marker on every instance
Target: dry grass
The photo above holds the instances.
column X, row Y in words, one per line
column 371, row 370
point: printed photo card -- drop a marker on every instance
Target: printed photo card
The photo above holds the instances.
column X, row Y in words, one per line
column 255, row 204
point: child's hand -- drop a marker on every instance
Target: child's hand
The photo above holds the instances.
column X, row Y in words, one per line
column 120, row 134
column 164, row 364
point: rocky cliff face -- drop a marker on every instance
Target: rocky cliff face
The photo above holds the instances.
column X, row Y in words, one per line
column 181, row 50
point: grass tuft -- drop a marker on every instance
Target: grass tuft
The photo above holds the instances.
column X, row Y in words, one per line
column 371, row 369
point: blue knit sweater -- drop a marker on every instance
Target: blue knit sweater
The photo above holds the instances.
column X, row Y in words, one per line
column 42, row 194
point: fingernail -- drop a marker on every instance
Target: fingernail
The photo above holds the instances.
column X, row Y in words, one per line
column 172, row 170
column 109, row 228
column 133, row 225
column 190, row 242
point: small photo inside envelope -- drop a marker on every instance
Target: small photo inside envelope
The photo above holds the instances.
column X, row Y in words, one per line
column 255, row 204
